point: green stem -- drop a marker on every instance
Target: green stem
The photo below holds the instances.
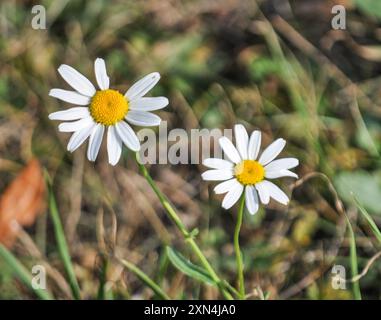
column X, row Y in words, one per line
column 144, row 278
column 186, row 234
column 61, row 243
column 241, row 284
column 353, row 259
column 22, row 273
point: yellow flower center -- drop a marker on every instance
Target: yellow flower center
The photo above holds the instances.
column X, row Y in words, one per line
column 108, row 107
column 249, row 172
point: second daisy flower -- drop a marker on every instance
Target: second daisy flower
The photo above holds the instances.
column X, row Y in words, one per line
column 245, row 173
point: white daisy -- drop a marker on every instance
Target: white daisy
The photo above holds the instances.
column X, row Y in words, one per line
column 105, row 108
column 245, row 174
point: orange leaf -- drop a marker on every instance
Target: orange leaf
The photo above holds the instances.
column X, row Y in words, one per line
column 21, row 202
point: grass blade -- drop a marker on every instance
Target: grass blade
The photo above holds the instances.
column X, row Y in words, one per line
column 354, row 263
column 61, row 242
column 22, row 273
column 370, row 220
column 144, row 278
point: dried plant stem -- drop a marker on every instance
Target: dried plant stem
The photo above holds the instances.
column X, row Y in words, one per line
column 188, row 237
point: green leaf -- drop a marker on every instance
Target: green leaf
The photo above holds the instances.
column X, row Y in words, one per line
column 22, row 273
column 363, row 186
column 188, row 268
column 369, row 219
column 370, row 7
column 354, row 263
column 62, row 245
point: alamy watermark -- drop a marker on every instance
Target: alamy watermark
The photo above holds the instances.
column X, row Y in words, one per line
column 178, row 146
column 39, row 19
column 39, row 277
column 338, row 22
column 338, row 279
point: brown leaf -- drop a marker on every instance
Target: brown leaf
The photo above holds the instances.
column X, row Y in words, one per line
column 21, row 202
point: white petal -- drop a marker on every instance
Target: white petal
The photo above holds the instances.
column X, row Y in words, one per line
column 232, row 196
column 251, row 199
column 75, row 125
column 79, row 137
column 148, row 104
column 95, row 142
column 216, row 163
column 70, row 96
column 263, row 192
column 276, row 193
column 280, row 174
column 142, row 118
column 140, row 88
column 254, row 144
column 281, row 164
column 101, row 74
column 76, row 80
column 229, row 149
column 225, row 186
column 70, row 114
column 128, row 136
column 241, row 139
column 272, row 151
column 114, row 146
column 217, row 175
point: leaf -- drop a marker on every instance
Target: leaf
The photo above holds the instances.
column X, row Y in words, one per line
column 354, row 262
column 63, row 248
column 368, row 218
column 22, row 273
column 21, row 202
column 370, row 7
column 188, row 268
column 363, row 186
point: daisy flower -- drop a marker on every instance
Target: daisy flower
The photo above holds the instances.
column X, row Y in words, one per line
column 105, row 109
column 245, row 173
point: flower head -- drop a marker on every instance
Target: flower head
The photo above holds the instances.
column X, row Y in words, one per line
column 105, row 109
column 245, row 173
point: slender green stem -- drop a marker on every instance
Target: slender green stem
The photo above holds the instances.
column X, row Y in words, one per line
column 354, row 264
column 103, row 278
column 22, row 273
column 144, row 278
column 62, row 244
column 238, row 255
column 186, row 234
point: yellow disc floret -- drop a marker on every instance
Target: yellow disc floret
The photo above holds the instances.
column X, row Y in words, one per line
column 108, row 107
column 249, row 172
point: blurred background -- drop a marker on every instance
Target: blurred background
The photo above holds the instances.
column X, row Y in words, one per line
column 274, row 65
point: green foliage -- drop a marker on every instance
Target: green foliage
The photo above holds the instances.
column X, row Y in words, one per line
column 370, row 7
column 364, row 186
column 188, row 268
column 353, row 259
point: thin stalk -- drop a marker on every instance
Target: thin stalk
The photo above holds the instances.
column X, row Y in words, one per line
column 238, row 254
column 186, row 234
column 144, row 278
column 22, row 273
column 62, row 244
column 353, row 259
column 103, row 278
